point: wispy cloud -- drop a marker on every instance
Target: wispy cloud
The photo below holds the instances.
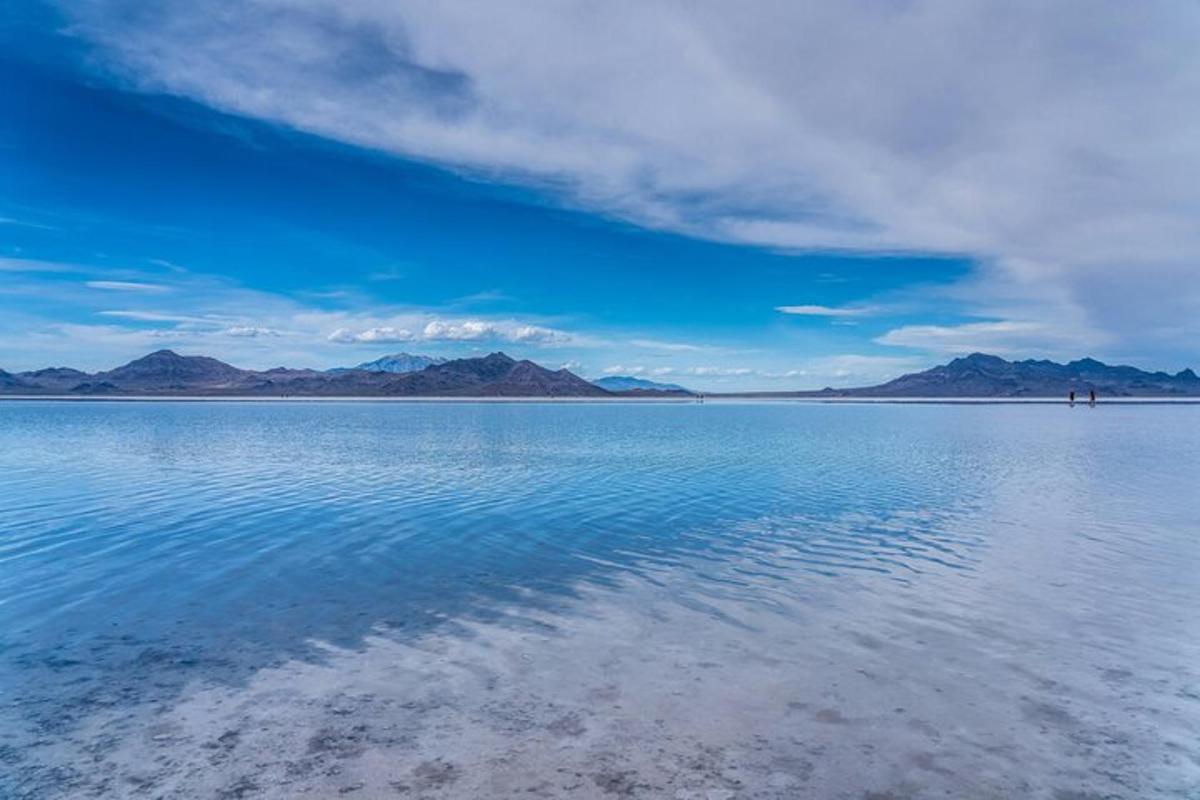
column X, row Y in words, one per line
column 828, row 311
column 809, row 373
column 485, row 297
column 168, row 265
column 638, row 369
column 394, row 272
column 997, row 337
column 129, row 286
column 33, row 266
column 158, row 316
column 723, row 372
column 673, row 347
column 703, row 372
column 24, row 223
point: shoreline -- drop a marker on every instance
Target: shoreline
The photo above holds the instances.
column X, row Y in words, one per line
column 602, row 400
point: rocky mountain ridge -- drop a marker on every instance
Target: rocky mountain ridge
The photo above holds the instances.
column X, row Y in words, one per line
column 981, row 375
column 165, row 372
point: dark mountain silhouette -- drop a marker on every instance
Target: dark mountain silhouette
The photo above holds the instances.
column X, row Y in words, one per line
column 497, row 375
column 165, row 369
column 529, row 379
column 980, row 375
column 167, row 373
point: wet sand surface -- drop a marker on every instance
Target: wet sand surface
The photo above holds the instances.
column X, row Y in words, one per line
column 1030, row 636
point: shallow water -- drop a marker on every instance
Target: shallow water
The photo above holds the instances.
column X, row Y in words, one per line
column 616, row 600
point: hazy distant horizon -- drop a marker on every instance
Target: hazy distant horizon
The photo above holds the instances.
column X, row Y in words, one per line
column 803, row 196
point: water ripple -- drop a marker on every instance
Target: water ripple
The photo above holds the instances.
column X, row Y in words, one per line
column 213, row 530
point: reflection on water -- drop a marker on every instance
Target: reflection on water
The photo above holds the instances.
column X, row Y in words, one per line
column 719, row 600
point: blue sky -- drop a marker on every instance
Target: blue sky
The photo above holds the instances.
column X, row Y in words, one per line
column 648, row 189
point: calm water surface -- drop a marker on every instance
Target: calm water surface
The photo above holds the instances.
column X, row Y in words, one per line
column 538, row 600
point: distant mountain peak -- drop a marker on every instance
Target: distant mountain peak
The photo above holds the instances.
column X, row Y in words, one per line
column 979, row 359
column 158, row 355
column 493, row 375
column 168, row 369
column 398, row 363
column 628, row 383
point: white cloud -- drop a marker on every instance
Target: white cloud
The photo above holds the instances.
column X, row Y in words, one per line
column 438, row 330
column 537, row 333
column 382, row 334
column 479, row 330
column 1057, row 142
column 129, row 286
column 250, row 331
column 471, row 331
column 827, row 311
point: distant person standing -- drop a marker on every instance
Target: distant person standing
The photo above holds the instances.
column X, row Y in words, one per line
column 1092, row 398
column 1071, row 397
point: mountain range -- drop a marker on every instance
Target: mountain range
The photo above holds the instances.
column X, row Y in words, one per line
column 167, row 373
column 981, row 375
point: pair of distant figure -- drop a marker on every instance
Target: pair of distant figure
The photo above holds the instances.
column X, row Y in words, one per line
column 1091, row 397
